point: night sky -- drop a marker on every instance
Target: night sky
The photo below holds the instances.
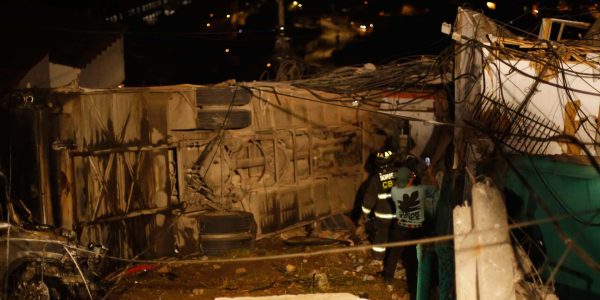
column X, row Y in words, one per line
column 211, row 41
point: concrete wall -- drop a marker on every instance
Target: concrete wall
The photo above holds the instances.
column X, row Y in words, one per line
column 107, row 70
column 61, row 75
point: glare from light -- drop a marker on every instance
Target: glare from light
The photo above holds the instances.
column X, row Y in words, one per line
column 240, row 31
column 534, row 9
column 281, row 28
column 207, row 24
column 371, row 25
column 295, row 3
column 300, row 5
column 228, row 16
column 226, row 50
column 268, row 65
column 366, row 2
column 491, row 5
column 211, row 15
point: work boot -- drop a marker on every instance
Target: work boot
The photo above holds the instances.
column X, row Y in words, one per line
column 387, row 280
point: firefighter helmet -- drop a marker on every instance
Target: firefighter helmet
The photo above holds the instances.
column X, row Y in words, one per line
column 385, row 157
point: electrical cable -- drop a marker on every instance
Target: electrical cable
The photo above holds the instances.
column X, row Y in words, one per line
column 394, row 78
column 8, row 189
column 356, row 80
column 565, row 253
column 581, row 253
column 166, row 34
column 578, row 111
column 292, row 96
column 493, row 51
column 557, row 198
column 541, row 80
column 219, row 136
column 87, row 287
column 557, row 64
column 427, row 240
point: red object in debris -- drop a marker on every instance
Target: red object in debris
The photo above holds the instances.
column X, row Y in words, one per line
column 140, row 268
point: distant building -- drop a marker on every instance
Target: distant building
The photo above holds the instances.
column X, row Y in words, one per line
column 148, row 11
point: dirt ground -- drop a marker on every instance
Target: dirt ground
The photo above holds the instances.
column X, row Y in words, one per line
column 352, row 272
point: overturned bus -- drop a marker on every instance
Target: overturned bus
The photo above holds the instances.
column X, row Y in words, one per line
column 135, row 169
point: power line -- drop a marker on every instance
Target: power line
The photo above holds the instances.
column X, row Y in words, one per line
column 244, row 36
column 331, row 102
column 428, row 240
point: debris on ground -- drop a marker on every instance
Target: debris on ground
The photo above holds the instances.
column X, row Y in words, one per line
column 290, row 268
column 197, row 292
column 301, row 231
column 336, row 296
column 330, row 273
column 321, row 280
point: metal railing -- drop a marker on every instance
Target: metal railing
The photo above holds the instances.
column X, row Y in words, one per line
column 520, row 130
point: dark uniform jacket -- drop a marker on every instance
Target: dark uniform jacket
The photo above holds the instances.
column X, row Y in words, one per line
column 378, row 194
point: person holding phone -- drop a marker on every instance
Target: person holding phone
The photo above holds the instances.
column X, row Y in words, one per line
column 409, row 201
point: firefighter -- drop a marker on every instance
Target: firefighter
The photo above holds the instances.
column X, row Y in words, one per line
column 378, row 199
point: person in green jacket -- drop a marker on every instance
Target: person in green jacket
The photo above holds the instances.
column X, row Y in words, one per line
column 409, row 201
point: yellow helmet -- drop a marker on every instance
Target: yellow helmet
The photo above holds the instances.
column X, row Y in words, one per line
column 385, row 157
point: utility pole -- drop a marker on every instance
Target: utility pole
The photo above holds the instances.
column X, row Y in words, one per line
column 282, row 47
column 288, row 66
column 281, row 16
